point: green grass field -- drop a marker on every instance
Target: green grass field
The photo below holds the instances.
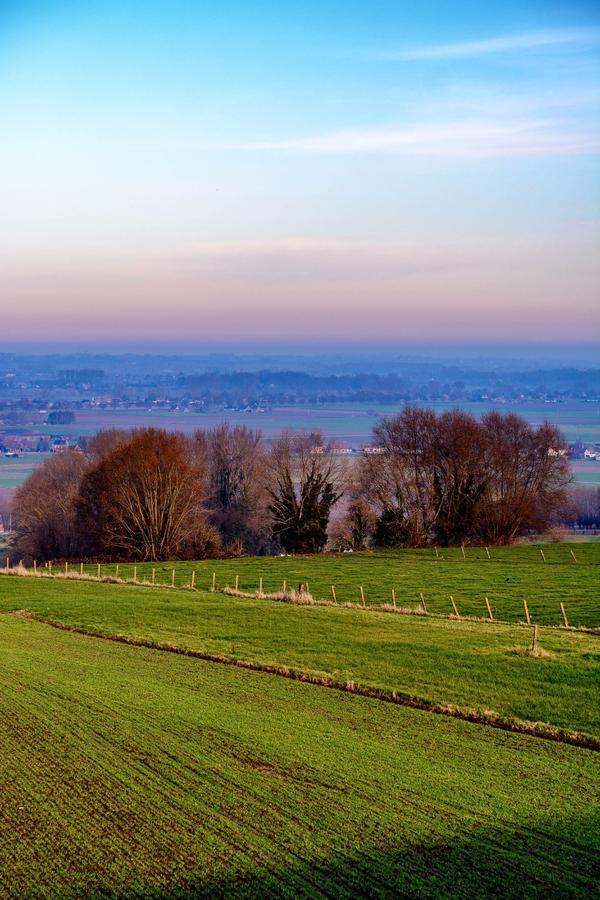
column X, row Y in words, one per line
column 132, row 772
column 469, row 664
column 513, row 574
column 128, row 772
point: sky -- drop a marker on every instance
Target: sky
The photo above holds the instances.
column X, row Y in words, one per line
column 276, row 171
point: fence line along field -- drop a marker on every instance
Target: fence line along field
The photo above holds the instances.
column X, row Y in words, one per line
column 542, row 575
column 127, row 772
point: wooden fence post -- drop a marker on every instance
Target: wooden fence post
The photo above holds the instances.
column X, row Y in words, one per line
column 172, row 577
column 534, row 643
column 394, row 598
column 362, row 595
column 456, row 613
column 81, row 568
column 260, row 585
column 193, row 579
column 564, row 615
column 35, row 567
column 333, row 593
column 66, row 568
column 489, row 609
column 213, row 586
column 437, row 552
column 98, row 572
column 283, row 586
column 117, row 570
column 153, row 576
column 237, row 582
column 462, row 547
column 423, row 601
column 135, row 573
column 49, row 567
column 527, row 612
column 543, row 556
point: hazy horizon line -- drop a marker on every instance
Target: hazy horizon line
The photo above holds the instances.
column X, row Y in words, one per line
column 279, row 347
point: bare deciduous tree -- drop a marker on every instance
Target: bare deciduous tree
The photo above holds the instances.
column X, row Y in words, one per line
column 102, row 444
column 6, row 506
column 144, row 500
column 236, row 498
column 401, row 476
column 45, row 508
column 460, row 477
column 527, row 476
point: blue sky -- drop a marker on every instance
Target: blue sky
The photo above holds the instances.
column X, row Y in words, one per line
column 377, row 170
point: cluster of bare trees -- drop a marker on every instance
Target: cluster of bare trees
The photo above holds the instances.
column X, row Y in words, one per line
column 585, row 507
column 6, row 501
column 451, row 479
column 153, row 495
column 149, row 494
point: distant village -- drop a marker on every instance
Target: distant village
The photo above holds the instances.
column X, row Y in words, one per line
column 579, row 450
column 13, row 445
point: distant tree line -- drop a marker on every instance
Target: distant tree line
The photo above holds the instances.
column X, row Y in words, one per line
column 416, row 383
column 61, row 417
column 584, row 510
column 431, row 479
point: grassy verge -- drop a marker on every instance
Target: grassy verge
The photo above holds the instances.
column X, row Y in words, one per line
column 489, row 718
column 132, row 773
column 442, row 661
column 510, row 576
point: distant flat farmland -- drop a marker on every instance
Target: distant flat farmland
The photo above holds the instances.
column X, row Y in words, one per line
column 344, row 421
column 586, row 471
column 348, row 422
column 14, row 471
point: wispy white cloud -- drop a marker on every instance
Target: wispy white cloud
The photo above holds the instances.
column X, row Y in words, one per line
column 461, row 139
column 515, row 43
column 315, row 255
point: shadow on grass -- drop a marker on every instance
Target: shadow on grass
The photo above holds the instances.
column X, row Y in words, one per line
column 489, row 863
